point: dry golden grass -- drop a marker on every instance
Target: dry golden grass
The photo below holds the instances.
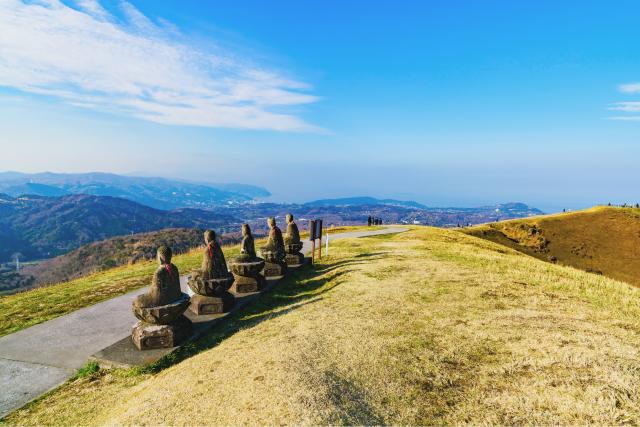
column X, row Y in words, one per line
column 425, row 327
column 605, row 240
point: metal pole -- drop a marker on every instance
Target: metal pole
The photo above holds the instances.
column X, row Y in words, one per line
column 327, row 244
column 313, row 251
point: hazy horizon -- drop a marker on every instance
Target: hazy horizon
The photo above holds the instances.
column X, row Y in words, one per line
column 447, row 104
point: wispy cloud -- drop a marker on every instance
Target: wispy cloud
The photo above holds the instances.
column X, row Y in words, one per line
column 129, row 64
column 630, row 107
column 630, row 88
column 626, row 118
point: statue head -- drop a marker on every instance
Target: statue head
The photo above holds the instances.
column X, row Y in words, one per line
column 289, row 218
column 246, row 230
column 164, row 254
column 271, row 221
column 209, row 236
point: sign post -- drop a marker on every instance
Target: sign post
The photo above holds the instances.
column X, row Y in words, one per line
column 319, row 236
column 312, row 238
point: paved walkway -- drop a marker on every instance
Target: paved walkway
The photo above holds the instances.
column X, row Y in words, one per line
column 39, row 358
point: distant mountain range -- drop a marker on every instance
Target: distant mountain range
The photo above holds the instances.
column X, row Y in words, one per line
column 44, row 227
column 364, row 201
column 159, row 193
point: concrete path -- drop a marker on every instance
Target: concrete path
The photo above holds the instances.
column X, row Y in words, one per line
column 39, row 358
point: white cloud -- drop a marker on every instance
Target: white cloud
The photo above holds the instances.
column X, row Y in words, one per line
column 626, row 118
column 629, row 106
column 630, row 88
column 89, row 57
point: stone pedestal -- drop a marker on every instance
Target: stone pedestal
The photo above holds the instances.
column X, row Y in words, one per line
column 147, row 336
column 244, row 284
column 274, row 270
column 202, row 304
column 247, row 276
column 275, row 266
column 294, row 258
column 211, row 296
column 162, row 314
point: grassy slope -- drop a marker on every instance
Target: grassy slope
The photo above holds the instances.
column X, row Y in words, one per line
column 601, row 239
column 429, row 326
column 35, row 306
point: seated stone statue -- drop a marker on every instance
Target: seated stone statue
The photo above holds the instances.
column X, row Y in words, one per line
column 293, row 235
column 214, row 265
column 274, row 252
column 165, row 286
column 161, row 309
column 246, row 268
column 247, row 249
column 293, row 245
column 275, row 242
column 211, row 282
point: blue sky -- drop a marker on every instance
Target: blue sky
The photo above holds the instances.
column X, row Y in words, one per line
column 447, row 103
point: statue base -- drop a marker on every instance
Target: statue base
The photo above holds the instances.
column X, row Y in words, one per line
column 202, row 304
column 162, row 314
column 246, row 284
column 294, row 260
column 274, row 270
column 147, row 336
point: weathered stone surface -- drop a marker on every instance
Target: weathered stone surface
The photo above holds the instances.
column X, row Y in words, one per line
column 273, row 251
column 248, row 248
column 294, row 260
column 294, row 257
column 149, row 336
column 292, row 235
column 250, row 269
column 210, row 287
column 247, row 284
column 165, row 285
column 247, row 267
column 163, row 314
column 275, row 270
column 202, row 305
column 272, row 256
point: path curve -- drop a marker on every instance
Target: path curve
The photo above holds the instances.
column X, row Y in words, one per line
column 39, row 358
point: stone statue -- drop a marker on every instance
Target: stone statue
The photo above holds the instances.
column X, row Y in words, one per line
column 293, row 245
column 274, row 252
column 165, row 285
column 275, row 242
column 248, row 249
column 161, row 309
column 292, row 236
column 247, row 267
column 214, row 266
column 210, row 284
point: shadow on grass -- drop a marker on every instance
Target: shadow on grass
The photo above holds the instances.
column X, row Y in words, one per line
column 294, row 291
column 370, row 255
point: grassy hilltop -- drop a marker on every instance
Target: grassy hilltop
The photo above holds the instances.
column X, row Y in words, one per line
column 430, row 326
column 603, row 240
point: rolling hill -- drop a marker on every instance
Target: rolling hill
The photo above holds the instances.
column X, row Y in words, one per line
column 426, row 327
column 113, row 252
column 159, row 193
column 45, row 227
column 603, row 240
